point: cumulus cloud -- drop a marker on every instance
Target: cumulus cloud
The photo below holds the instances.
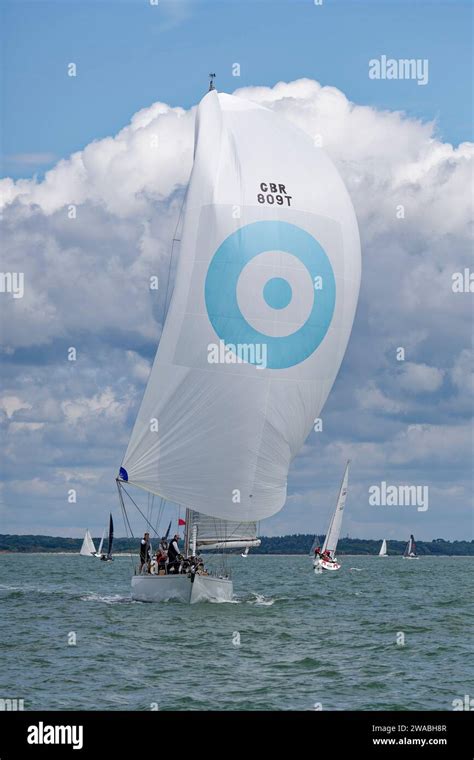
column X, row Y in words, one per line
column 420, row 378
column 92, row 233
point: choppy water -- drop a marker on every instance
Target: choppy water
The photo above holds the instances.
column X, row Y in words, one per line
column 304, row 639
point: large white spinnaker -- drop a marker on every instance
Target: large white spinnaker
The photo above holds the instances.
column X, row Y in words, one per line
column 88, row 547
column 334, row 530
column 263, row 304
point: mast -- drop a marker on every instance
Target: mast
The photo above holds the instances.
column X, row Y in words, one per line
column 186, row 533
column 211, row 82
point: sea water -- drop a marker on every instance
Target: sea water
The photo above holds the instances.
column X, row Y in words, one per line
column 382, row 633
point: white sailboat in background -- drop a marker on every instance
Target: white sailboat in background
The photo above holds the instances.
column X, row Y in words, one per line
column 325, row 558
column 264, row 298
column 383, row 549
column 410, row 549
column 88, row 546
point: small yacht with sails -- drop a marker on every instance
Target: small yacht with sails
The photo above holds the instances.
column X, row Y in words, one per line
column 325, row 558
column 410, row 549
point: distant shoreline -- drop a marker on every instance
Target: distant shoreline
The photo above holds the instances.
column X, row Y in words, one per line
column 282, row 546
column 255, row 554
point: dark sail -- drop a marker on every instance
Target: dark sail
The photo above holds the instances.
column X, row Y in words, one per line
column 111, row 536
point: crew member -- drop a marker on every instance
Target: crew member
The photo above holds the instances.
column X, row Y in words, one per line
column 145, row 552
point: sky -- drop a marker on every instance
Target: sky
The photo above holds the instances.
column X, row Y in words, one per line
column 82, row 140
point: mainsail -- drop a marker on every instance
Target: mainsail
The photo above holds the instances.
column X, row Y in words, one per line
column 383, row 549
column 99, row 552
column 88, row 547
column 213, row 533
column 263, row 304
column 334, row 530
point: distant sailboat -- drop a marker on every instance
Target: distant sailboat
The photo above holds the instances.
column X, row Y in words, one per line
column 88, row 546
column 260, row 315
column 410, row 549
column 325, row 559
column 383, row 549
column 108, row 557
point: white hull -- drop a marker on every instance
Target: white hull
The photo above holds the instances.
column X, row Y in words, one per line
column 410, row 557
column 163, row 588
column 321, row 564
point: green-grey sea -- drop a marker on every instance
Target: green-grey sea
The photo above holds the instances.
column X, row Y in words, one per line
column 380, row 634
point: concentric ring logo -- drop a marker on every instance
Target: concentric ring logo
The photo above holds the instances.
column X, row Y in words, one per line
column 222, row 279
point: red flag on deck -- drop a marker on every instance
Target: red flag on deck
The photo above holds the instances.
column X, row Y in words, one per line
column 181, row 522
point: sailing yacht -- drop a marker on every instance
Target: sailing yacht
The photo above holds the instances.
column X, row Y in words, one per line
column 383, row 549
column 88, row 546
column 325, row 559
column 258, row 322
column 410, row 549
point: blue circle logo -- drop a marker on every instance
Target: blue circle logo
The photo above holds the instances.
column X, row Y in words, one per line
column 277, row 293
column 221, row 290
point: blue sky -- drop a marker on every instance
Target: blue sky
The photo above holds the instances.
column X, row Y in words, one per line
column 129, row 54
column 66, row 425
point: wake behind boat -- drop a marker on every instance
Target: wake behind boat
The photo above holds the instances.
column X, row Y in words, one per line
column 325, row 558
column 262, row 308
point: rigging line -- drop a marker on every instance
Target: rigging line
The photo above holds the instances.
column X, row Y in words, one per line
column 161, row 510
column 137, row 507
column 126, row 521
column 124, row 512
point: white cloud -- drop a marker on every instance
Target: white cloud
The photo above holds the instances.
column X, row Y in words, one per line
column 103, row 404
column 373, row 398
column 12, row 404
column 462, row 372
column 87, row 286
column 419, row 378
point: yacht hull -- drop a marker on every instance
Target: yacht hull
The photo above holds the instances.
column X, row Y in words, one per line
column 164, row 588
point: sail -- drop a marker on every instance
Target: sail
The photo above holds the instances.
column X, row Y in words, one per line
column 314, row 545
column 111, row 537
column 383, row 549
column 99, row 551
column 410, row 549
column 264, row 299
column 334, row 530
column 87, row 548
column 214, row 533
